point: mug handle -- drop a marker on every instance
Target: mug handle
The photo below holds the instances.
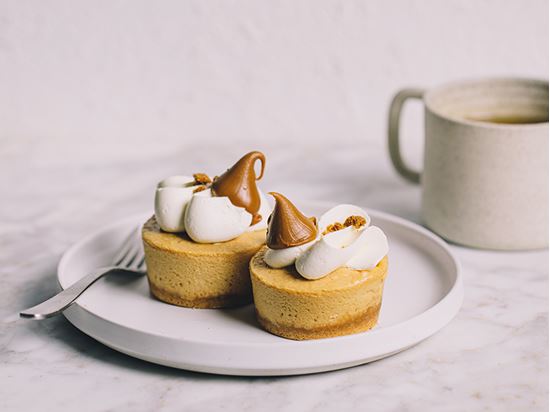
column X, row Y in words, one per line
column 393, row 133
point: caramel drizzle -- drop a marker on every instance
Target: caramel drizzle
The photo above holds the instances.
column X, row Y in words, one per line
column 239, row 184
column 287, row 226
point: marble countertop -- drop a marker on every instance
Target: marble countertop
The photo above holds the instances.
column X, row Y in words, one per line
column 493, row 356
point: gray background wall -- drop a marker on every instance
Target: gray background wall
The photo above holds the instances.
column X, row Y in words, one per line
column 96, row 76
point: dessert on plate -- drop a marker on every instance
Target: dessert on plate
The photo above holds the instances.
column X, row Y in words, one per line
column 319, row 279
column 199, row 243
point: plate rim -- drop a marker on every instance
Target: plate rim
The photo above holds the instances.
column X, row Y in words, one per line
column 453, row 297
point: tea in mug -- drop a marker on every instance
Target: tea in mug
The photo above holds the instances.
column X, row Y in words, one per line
column 512, row 119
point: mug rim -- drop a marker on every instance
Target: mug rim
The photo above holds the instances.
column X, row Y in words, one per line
column 429, row 95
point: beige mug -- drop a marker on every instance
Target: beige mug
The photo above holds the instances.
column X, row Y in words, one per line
column 485, row 176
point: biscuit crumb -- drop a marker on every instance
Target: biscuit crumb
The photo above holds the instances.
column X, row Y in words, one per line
column 334, row 227
column 355, row 221
column 199, row 189
column 201, row 179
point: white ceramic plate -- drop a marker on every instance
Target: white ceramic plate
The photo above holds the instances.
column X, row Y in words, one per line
column 423, row 292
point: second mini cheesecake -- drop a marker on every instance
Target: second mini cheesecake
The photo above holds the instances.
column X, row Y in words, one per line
column 319, row 279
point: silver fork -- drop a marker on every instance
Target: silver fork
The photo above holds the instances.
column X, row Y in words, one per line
column 129, row 259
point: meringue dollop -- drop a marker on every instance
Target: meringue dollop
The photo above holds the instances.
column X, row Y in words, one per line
column 204, row 217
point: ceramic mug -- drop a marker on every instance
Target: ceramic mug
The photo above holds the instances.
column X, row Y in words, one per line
column 485, row 176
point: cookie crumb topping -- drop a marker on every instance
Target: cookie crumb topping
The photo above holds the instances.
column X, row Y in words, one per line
column 334, row 227
column 199, row 189
column 201, row 179
column 356, row 221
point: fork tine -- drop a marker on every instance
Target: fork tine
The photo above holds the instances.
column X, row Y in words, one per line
column 141, row 264
column 131, row 256
column 124, row 249
column 138, row 258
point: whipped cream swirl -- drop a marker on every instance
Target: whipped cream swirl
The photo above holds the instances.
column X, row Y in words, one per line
column 180, row 207
column 359, row 248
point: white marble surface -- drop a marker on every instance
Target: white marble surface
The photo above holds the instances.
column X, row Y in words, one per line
column 493, row 356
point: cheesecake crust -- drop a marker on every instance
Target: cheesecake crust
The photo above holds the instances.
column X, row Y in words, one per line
column 357, row 324
column 209, row 302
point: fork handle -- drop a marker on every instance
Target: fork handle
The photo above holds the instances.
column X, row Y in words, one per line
column 58, row 303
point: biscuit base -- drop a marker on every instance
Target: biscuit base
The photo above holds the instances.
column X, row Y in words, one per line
column 211, row 302
column 358, row 324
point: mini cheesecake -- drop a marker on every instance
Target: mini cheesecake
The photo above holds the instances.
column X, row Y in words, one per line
column 199, row 244
column 196, row 275
column 319, row 280
column 344, row 302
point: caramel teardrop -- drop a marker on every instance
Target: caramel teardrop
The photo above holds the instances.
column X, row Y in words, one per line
column 288, row 227
column 239, row 184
